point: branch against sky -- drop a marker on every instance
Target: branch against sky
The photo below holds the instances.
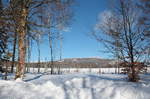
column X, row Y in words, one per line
column 29, row 19
column 119, row 31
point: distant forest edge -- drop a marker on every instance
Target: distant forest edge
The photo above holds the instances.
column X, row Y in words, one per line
column 70, row 63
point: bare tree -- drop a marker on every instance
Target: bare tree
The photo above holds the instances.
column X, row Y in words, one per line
column 120, row 32
column 25, row 14
column 60, row 51
column 23, row 24
column 39, row 52
column 28, row 53
column 51, row 52
column 14, row 51
column 58, row 19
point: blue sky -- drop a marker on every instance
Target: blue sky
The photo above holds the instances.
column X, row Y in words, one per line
column 77, row 41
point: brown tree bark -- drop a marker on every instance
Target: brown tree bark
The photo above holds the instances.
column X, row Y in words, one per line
column 21, row 30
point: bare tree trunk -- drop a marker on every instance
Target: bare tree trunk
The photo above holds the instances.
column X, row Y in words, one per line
column 6, row 71
column 29, row 55
column 14, row 52
column 133, row 77
column 60, row 58
column 21, row 30
column 118, row 66
column 100, row 70
column 51, row 52
column 38, row 44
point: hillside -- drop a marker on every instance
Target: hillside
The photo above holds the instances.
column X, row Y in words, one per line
column 79, row 63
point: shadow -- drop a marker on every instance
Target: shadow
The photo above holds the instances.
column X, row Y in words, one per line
column 65, row 91
column 84, row 85
column 107, row 78
column 34, row 78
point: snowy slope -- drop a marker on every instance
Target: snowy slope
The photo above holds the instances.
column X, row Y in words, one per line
column 76, row 86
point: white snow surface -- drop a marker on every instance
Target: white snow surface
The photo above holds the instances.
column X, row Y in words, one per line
column 75, row 86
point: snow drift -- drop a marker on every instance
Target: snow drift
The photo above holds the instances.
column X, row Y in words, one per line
column 77, row 86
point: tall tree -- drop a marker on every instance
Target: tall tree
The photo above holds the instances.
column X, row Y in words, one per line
column 21, row 8
column 120, row 32
column 14, row 51
column 26, row 15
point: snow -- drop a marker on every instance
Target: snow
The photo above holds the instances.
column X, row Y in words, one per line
column 81, row 70
column 75, row 86
column 78, row 70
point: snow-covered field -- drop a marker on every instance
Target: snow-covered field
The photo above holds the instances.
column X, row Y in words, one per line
column 75, row 86
column 78, row 70
column 81, row 70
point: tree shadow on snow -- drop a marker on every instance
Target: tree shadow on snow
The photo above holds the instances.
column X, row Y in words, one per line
column 70, row 89
column 107, row 78
column 36, row 77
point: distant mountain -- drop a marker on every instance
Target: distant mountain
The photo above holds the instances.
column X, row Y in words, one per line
column 88, row 62
column 74, row 63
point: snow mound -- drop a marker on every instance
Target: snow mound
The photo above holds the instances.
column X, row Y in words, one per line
column 75, row 87
column 17, row 90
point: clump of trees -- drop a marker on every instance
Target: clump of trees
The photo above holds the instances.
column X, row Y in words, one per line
column 25, row 21
column 124, row 35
